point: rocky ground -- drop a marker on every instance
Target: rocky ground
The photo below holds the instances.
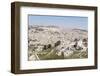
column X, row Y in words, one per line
column 52, row 42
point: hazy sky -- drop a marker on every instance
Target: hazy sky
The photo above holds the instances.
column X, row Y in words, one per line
column 63, row 21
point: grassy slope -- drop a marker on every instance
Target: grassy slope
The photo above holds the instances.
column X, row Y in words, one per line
column 51, row 55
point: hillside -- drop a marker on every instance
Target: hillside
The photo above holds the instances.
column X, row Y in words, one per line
column 42, row 41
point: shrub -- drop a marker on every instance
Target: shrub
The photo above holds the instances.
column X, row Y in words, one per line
column 57, row 43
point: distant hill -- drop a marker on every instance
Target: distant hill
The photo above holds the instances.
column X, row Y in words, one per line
column 80, row 30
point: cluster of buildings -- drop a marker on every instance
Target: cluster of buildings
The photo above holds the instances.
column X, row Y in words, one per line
column 41, row 37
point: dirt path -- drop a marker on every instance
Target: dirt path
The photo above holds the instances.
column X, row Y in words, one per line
column 34, row 57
